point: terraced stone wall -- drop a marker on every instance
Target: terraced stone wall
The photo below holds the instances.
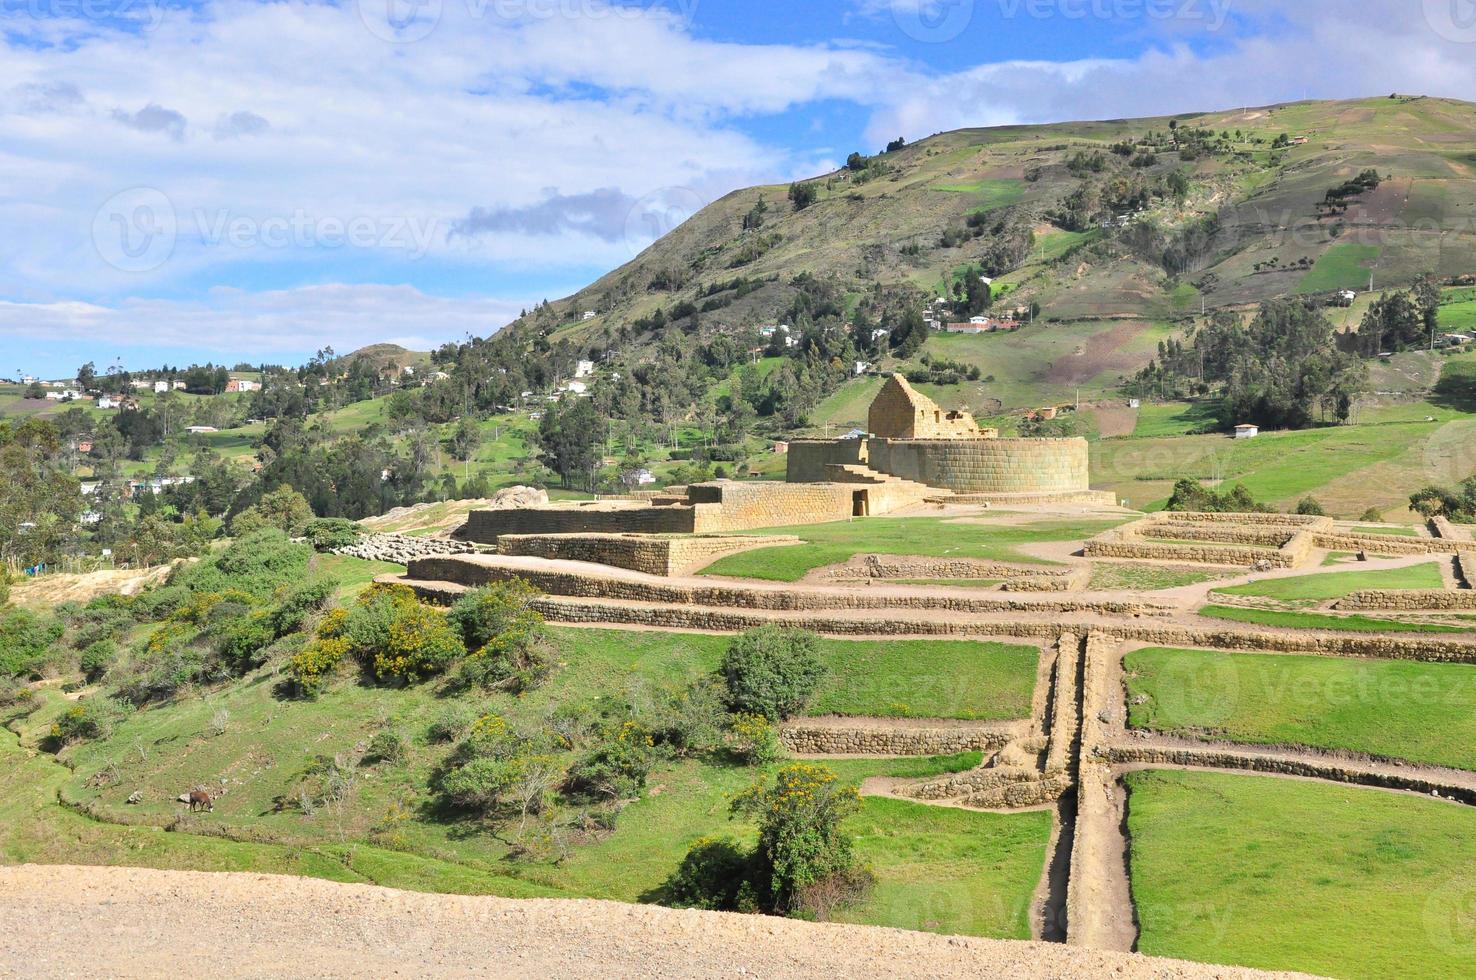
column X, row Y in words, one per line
column 724, row 507
column 808, row 458
column 1386, row 544
column 487, row 526
column 653, row 555
column 1410, row 600
column 805, row 739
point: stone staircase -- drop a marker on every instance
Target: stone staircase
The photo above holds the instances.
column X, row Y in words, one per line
column 886, row 492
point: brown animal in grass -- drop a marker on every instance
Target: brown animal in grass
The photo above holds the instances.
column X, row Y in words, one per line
column 201, row 800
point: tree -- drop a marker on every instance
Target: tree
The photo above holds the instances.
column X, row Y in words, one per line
column 35, row 391
column 466, row 439
column 86, row 377
column 39, row 500
column 570, row 436
column 283, row 508
column 802, row 195
column 896, row 145
column 855, row 162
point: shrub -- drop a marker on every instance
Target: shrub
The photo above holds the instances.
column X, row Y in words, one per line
column 711, row 877
column 389, row 745
column 1309, row 507
column 97, row 658
column 167, row 663
column 1190, row 496
column 25, row 642
column 295, row 604
column 240, row 640
column 315, row 664
column 367, row 626
column 481, row 784
column 454, row 721
column 89, row 719
column 505, row 636
column 754, row 740
column 686, row 721
column 332, row 533
column 96, row 625
column 771, row 671
column 421, row 644
column 616, row 769
column 801, row 846
column 1374, row 515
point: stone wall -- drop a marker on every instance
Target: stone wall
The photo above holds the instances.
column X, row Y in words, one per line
column 807, row 738
column 1451, row 532
column 808, row 458
column 900, row 411
column 991, row 466
column 727, row 506
column 1409, row 600
column 1123, row 544
column 1065, row 707
column 1210, row 757
column 653, row 555
column 486, row 526
column 478, row 572
column 1272, row 537
column 1466, row 568
column 1227, row 539
column 996, row 789
column 1386, row 544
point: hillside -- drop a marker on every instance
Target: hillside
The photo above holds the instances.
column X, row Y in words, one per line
column 1249, row 226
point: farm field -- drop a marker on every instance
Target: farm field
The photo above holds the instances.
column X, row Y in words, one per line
column 1287, row 875
column 834, row 544
column 1392, row 709
column 1335, row 585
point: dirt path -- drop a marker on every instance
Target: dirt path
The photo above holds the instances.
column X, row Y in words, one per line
column 128, row 922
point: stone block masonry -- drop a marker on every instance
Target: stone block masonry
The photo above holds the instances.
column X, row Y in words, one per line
column 811, row 736
column 651, row 554
column 987, row 466
column 1410, row 600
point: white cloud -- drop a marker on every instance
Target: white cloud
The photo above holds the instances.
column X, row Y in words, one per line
column 233, row 322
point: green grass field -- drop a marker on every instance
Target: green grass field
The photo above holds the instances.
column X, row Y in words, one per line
column 1146, row 578
column 1344, row 266
column 1335, row 585
column 990, row 194
column 1174, row 419
column 1314, row 621
column 1287, row 875
column 834, row 544
column 1397, row 709
column 928, row 679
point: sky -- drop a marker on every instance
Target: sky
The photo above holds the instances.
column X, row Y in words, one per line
column 252, row 181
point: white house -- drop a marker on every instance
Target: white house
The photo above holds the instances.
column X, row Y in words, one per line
column 28, row 379
column 576, row 388
column 107, row 401
column 584, row 369
column 160, row 387
column 177, row 386
column 1456, row 339
column 196, row 430
column 860, row 368
column 1347, row 296
column 1247, row 431
column 65, row 395
column 879, row 333
column 645, row 478
column 589, row 315
column 979, row 319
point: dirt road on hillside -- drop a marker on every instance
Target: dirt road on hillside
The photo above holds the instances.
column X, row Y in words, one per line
column 66, row 921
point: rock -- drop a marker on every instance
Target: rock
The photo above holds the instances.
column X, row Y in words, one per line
column 515, row 498
column 136, row 797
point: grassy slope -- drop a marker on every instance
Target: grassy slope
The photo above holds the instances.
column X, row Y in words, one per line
column 831, row 544
column 389, row 831
column 1281, row 874
column 1335, row 585
column 1416, row 711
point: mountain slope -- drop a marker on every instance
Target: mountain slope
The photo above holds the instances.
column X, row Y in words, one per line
column 1145, row 221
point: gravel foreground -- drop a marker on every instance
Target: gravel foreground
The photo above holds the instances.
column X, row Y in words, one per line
column 76, row 921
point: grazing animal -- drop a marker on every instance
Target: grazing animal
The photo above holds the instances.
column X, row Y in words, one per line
column 201, row 800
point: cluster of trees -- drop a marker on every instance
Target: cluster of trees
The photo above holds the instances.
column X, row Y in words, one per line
column 1397, row 322
column 1283, row 370
column 1456, row 503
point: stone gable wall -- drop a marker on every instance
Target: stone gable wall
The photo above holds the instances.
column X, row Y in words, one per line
column 808, row 459
column 812, row 739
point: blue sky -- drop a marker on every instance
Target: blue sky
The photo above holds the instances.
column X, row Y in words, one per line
column 251, row 181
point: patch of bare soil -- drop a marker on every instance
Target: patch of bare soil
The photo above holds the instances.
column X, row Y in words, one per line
column 1115, row 422
column 1103, row 352
column 72, row 921
column 51, row 590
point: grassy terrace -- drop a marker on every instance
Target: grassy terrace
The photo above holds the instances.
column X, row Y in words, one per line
column 1146, row 578
column 834, row 544
column 1288, row 875
column 1314, row 621
column 1393, row 708
column 1335, row 585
